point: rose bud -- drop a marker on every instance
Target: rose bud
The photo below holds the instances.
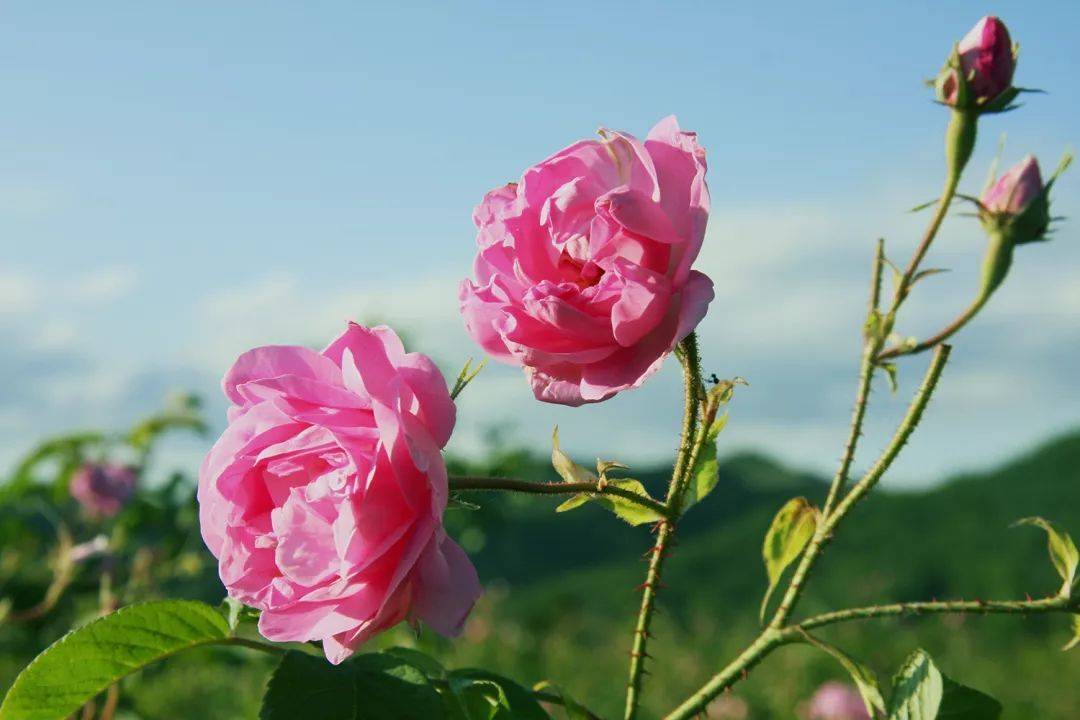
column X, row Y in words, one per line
column 1017, row 204
column 323, row 500
column 837, row 701
column 584, row 273
column 103, row 489
column 1014, row 210
column 980, row 72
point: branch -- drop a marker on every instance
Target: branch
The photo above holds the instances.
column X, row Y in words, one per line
column 475, row 482
column 945, row 607
column 871, row 347
column 683, row 464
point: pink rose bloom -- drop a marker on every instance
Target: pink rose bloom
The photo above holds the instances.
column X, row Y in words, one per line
column 584, row 271
column 986, row 57
column 1015, row 190
column 837, row 701
column 103, row 490
column 323, row 499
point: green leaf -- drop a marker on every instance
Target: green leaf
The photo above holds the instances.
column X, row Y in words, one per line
column 917, row 689
column 626, row 510
column 568, row 470
column 373, row 686
column 1076, row 634
column 1063, row 553
column 571, row 472
column 482, row 695
column 431, row 667
column 466, row 376
column 571, row 707
column 88, row 660
column 785, row 540
column 959, row 702
column 864, row 677
column 705, row 473
column 922, row 692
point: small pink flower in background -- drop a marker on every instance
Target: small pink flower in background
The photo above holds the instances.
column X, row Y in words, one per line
column 837, row 701
column 1015, row 190
column 323, row 499
column 584, row 275
column 987, row 60
column 103, row 489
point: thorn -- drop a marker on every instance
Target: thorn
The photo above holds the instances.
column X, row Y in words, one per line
column 745, row 673
column 643, row 633
column 1028, row 596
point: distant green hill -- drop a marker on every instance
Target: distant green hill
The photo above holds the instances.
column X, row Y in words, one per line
column 569, row 598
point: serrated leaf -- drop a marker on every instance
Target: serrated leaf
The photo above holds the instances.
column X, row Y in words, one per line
column 785, row 540
column 571, row 707
column 917, row 689
column 568, row 470
column 372, row 686
column 482, row 695
column 88, row 660
column 706, row 471
column 421, row 660
column 627, row 510
column 922, row 692
column 862, row 676
column 959, row 702
column 1076, row 635
column 1063, row 552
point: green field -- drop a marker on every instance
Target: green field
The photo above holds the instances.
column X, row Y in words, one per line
column 561, row 595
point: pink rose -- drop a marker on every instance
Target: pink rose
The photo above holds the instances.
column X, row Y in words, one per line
column 323, row 499
column 1015, row 190
column 837, row 701
column 987, row 59
column 102, row 489
column 584, row 270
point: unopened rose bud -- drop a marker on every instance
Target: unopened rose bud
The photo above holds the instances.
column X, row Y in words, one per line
column 103, row 489
column 980, row 72
column 1017, row 204
column 1014, row 210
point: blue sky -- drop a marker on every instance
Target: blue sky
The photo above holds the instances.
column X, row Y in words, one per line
column 181, row 181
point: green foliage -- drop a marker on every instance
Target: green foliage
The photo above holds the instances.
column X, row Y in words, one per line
column 1075, row 640
column 482, row 695
column 917, row 689
column 785, row 540
column 89, row 659
column 1063, row 553
column 706, row 471
column 921, row 692
column 627, row 510
column 571, row 707
column 373, row 686
column 862, row 676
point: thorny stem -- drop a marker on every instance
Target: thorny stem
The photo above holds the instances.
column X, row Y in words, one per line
column 947, row 332
column 944, row 607
column 871, row 345
column 777, row 633
column 770, row 639
column 474, row 482
column 666, row 528
column 828, row 524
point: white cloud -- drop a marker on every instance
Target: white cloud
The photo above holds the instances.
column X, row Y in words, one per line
column 103, row 285
column 18, row 293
